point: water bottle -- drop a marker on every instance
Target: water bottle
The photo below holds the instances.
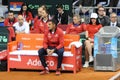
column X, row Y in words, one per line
column 108, row 48
column 20, row 46
column 102, row 48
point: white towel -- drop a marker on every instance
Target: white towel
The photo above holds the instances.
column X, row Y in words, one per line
column 76, row 43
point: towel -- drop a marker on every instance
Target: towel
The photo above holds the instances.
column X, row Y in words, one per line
column 76, row 43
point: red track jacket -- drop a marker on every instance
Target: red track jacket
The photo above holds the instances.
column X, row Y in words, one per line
column 55, row 39
column 71, row 29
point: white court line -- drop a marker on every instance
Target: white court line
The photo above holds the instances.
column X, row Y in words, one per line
column 115, row 77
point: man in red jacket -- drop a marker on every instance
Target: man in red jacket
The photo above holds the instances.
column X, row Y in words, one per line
column 41, row 25
column 53, row 43
column 9, row 22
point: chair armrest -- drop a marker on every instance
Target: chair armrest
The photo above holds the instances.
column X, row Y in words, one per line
column 75, row 50
column 12, row 46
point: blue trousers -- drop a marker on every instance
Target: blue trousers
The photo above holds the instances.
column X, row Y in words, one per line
column 42, row 52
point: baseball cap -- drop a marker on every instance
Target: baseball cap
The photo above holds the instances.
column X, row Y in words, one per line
column 94, row 15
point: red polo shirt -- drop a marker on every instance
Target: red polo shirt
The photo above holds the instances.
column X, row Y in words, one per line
column 92, row 29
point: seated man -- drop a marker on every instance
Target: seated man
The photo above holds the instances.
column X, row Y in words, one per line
column 9, row 21
column 21, row 26
column 113, row 20
column 53, row 42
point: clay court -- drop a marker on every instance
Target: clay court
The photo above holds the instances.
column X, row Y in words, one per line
column 84, row 74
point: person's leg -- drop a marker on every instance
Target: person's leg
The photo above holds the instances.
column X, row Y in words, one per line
column 88, row 53
column 89, row 47
column 86, row 58
column 42, row 52
column 60, row 58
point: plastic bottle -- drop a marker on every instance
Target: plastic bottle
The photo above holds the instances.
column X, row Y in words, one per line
column 103, row 48
column 108, row 48
column 20, row 46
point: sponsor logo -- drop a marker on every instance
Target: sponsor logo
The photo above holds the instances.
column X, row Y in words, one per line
column 37, row 62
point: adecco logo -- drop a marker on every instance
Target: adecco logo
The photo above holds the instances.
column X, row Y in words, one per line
column 37, row 62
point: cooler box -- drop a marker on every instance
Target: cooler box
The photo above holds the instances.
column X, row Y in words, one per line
column 107, row 49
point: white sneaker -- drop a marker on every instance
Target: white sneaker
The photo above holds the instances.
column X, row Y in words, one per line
column 91, row 58
column 86, row 64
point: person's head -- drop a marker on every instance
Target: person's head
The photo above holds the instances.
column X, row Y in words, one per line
column 44, row 13
column 76, row 19
column 10, row 14
column 51, row 24
column 40, row 9
column 101, row 11
column 113, row 17
column 59, row 8
column 94, row 19
column 20, row 20
column 44, row 7
column 24, row 7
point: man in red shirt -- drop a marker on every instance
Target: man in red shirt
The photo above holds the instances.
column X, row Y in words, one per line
column 41, row 25
column 53, row 43
column 9, row 22
column 39, row 16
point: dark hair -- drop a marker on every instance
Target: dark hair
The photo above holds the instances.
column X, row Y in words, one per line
column 10, row 11
column 59, row 6
column 53, row 21
column 21, row 11
column 97, row 21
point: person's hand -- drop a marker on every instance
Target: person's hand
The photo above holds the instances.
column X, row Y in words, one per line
column 110, row 10
column 50, row 51
column 91, row 40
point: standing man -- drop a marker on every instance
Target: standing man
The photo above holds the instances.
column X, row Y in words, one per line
column 53, row 43
column 61, row 16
